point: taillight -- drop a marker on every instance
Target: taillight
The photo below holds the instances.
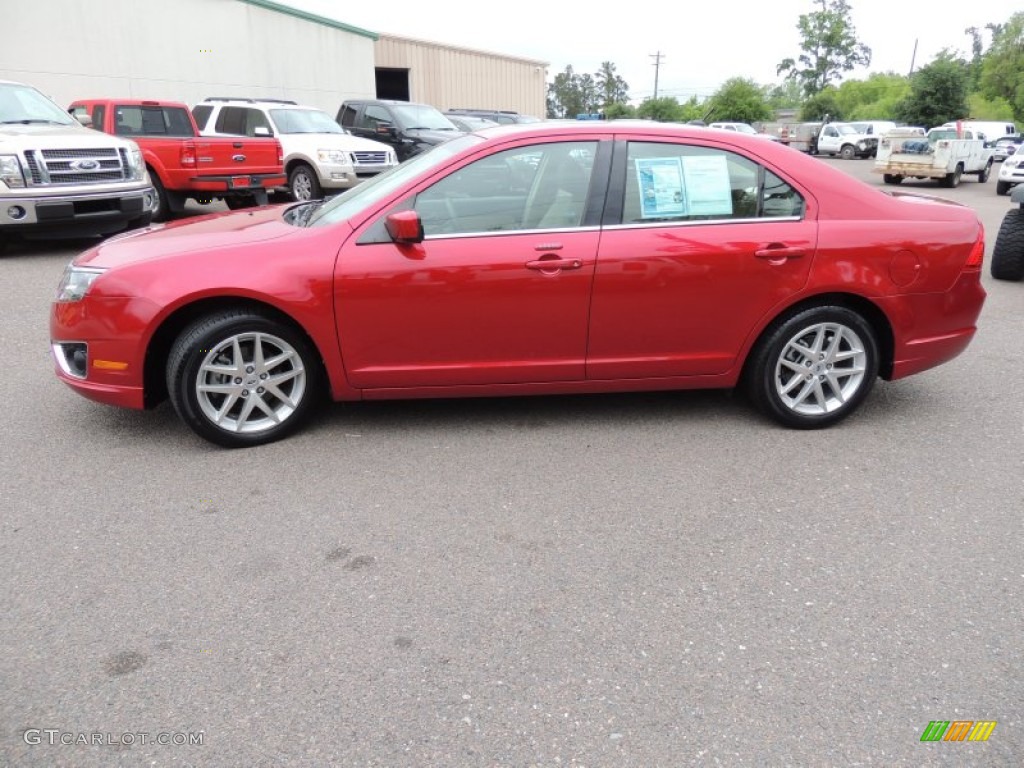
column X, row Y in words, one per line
column 187, row 156
column 977, row 255
column 280, row 154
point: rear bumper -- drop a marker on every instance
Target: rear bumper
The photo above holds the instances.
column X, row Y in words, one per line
column 240, row 183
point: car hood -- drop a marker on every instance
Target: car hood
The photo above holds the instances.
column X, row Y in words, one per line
column 55, row 136
column 433, row 137
column 205, row 233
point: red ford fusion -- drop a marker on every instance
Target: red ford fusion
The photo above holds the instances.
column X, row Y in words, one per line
column 531, row 259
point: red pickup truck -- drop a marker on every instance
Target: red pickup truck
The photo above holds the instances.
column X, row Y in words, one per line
column 181, row 163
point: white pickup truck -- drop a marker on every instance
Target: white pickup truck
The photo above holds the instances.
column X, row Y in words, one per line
column 59, row 178
column 846, row 140
column 945, row 154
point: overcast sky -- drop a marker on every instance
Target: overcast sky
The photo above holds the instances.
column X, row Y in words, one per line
column 704, row 43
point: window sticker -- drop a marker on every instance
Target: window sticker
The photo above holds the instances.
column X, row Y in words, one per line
column 661, row 187
column 707, row 185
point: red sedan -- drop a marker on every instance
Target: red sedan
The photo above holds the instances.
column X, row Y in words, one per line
column 528, row 260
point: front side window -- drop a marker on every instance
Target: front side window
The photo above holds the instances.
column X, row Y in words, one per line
column 373, row 116
column 676, row 182
column 542, row 186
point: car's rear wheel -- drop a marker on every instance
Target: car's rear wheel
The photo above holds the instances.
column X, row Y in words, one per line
column 163, row 210
column 1008, row 253
column 814, row 368
column 239, row 379
column 952, row 180
column 304, row 184
column 1002, row 187
column 890, row 178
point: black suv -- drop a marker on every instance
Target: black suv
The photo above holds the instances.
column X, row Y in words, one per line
column 503, row 116
column 409, row 128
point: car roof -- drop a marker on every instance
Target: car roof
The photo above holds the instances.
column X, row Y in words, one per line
column 134, row 102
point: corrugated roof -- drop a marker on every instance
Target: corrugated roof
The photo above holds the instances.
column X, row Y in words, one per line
column 289, row 11
column 450, row 46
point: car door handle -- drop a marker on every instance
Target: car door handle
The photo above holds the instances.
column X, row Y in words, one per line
column 777, row 254
column 550, row 265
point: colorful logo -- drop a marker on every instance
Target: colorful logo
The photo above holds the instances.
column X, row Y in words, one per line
column 958, row 730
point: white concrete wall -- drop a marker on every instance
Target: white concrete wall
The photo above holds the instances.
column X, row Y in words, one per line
column 181, row 50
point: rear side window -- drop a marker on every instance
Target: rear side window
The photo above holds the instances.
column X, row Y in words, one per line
column 241, row 121
column 151, row 121
column 201, row 113
column 677, row 182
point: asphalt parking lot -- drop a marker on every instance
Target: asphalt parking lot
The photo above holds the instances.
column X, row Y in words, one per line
column 633, row 580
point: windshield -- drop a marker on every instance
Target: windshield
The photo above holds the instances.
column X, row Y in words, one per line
column 846, row 129
column 304, row 121
column 422, row 117
column 22, row 104
column 353, row 201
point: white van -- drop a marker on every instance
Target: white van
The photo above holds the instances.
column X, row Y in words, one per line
column 989, row 129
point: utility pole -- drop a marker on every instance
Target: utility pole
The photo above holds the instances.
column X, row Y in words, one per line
column 657, row 66
column 913, row 57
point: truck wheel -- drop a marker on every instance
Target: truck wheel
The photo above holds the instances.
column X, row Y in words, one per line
column 1008, row 254
column 984, row 173
column 1002, row 187
column 952, row 180
column 890, row 178
column 238, row 202
column 848, row 152
column 163, row 210
column 303, row 184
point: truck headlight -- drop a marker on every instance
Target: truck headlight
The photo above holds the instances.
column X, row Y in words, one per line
column 10, row 171
column 136, row 164
column 336, row 156
column 75, row 282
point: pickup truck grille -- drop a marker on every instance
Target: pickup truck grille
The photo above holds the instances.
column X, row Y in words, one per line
column 76, row 166
column 370, row 158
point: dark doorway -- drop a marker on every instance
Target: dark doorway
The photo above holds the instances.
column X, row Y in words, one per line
column 392, row 84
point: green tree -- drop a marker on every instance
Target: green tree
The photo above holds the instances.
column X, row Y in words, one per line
column 821, row 106
column 872, row 99
column 1002, row 69
column 667, row 109
column 786, row 95
column 617, row 110
column 938, row 93
column 981, row 108
column 611, row 87
column 571, row 94
column 830, row 47
column 740, row 100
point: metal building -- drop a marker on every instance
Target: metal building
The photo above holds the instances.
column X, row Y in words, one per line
column 450, row 77
column 186, row 50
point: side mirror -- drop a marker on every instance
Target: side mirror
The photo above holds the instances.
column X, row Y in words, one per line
column 404, row 227
column 83, row 118
column 384, row 128
column 262, row 130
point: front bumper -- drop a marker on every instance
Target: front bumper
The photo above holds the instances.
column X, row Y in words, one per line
column 1011, row 174
column 99, row 212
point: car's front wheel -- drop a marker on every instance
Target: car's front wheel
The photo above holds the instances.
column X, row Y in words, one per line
column 1008, row 253
column 814, row 368
column 848, row 152
column 983, row 174
column 239, row 379
column 304, row 184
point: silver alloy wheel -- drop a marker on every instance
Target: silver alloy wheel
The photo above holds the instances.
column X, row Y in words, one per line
column 302, row 186
column 820, row 369
column 250, row 382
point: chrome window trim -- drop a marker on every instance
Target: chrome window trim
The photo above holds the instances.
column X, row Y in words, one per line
column 703, row 222
column 506, row 232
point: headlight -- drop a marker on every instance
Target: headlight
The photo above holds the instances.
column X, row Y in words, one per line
column 75, row 282
column 336, row 156
column 10, row 171
column 135, row 162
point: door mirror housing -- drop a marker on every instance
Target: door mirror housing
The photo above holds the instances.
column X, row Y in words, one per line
column 262, row 130
column 404, row 227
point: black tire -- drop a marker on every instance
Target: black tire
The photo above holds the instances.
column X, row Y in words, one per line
column 983, row 174
column 1008, row 253
column 1002, row 187
column 890, row 178
column 848, row 152
column 163, row 210
column 238, row 202
column 952, row 180
column 840, row 378
column 228, row 411
column 303, row 184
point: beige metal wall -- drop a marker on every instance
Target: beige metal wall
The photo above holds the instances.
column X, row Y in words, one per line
column 449, row 77
column 182, row 50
